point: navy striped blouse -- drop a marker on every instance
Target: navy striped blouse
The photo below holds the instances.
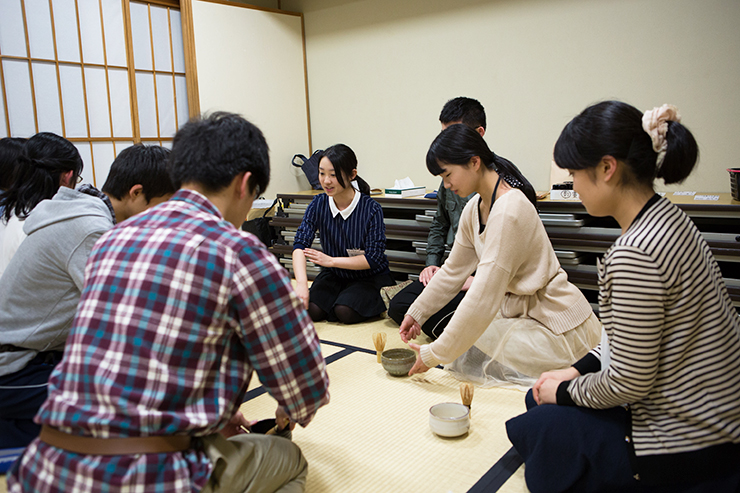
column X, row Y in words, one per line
column 363, row 230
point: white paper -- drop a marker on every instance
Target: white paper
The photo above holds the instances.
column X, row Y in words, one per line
column 404, row 183
column 706, row 197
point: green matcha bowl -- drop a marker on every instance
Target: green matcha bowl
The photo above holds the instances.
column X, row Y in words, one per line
column 398, row 361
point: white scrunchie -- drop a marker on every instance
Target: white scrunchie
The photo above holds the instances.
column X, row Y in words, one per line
column 655, row 123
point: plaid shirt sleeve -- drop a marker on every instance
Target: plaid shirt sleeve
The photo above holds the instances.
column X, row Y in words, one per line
column 280, row 338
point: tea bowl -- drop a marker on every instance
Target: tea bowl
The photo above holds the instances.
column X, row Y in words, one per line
column 398, row 361
column 266, row 425
column 449, row 419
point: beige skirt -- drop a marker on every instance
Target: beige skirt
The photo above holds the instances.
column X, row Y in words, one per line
column 513, row 352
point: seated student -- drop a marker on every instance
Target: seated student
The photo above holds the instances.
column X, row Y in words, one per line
column 443, row 229
column 46, row 163
column 179, row 307
column 10, row 149
column 41, row 287
column 654, row 406
column 544, row 320
column 352, row 234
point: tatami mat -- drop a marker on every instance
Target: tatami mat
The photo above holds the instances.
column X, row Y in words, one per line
column 361, row 335
column 374, row 435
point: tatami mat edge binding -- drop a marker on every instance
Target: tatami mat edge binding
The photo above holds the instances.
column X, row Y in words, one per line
column 490, row 481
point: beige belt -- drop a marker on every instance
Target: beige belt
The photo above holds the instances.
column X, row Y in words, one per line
column 113, row 446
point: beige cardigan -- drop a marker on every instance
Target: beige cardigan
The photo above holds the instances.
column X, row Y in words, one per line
column 516, row 271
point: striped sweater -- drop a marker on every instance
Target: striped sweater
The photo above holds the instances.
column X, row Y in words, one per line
column 674, row 339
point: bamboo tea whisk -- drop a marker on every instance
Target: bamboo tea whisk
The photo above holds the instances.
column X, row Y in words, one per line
column 466, row 393
column 379, row 339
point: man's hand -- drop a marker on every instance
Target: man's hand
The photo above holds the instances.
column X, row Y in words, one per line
column 236, row 425
column 426, row 275
column 282, row 419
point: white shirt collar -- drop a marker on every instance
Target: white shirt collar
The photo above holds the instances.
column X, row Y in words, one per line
column 350, row 208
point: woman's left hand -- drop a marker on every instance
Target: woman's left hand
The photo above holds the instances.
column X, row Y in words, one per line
column 318, row 258
column 419, row 366
column 547, row 391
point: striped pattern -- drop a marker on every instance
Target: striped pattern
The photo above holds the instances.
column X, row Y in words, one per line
column 363, row 230
column 177, row 310
column 673, row 334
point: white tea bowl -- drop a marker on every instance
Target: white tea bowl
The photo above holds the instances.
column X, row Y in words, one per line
column 449, row 419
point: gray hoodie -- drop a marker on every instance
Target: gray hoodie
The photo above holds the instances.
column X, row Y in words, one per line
column 41, row 286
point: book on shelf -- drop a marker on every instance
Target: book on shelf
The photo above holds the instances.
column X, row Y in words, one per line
column 406, row 192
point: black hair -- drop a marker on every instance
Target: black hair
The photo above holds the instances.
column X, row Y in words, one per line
column 143, row 165
column 344, row 161
column 43, row 160
column 466, row 110
column 10, row 149
column 458, row 144
column 614, row 128
column 213, row 150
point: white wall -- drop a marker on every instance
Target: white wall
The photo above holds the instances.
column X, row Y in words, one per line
column 250, row 62
column 379, row 72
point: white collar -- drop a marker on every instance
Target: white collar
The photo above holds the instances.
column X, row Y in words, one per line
column 350, row 208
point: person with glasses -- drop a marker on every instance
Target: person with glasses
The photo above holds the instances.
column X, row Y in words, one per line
column 46, row 162
column 179, row 310
column 352, row 257
column 41, row 287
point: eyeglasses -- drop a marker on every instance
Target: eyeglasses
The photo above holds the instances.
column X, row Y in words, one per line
column 79, row 179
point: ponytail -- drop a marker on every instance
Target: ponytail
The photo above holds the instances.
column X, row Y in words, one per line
column 681, row 155
column 458, row 144
column 511, row 175
column 613, row 128
column 362, row 185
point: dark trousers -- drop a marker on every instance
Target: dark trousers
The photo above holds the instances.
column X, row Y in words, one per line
column 436, row 324
column 21, row 396
column 575, row 449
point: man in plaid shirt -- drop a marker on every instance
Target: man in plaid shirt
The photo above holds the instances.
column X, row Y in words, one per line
column 178, row 308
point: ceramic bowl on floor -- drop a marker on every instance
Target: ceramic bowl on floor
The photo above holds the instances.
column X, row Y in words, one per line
column 398, row 361
column 449, row 419
column 266, row 425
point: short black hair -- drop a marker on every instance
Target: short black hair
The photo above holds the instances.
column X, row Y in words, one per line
column 213, row 150
column 10, row 149
column 145, row 165
column 464, row 110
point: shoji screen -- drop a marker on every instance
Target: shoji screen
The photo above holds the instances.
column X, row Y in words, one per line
column 93, row 72
column 251, row 61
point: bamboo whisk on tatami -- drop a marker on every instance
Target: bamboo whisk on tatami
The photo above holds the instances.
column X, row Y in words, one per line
column 379, row 339
column 466, row 393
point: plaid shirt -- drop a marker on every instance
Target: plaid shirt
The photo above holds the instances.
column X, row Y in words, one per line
column 177, row 310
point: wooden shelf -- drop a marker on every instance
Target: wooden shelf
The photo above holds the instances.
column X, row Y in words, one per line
column 570, row 229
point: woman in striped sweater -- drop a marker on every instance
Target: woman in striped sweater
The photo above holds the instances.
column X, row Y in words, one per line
column 655, row 406
column 352, row 257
